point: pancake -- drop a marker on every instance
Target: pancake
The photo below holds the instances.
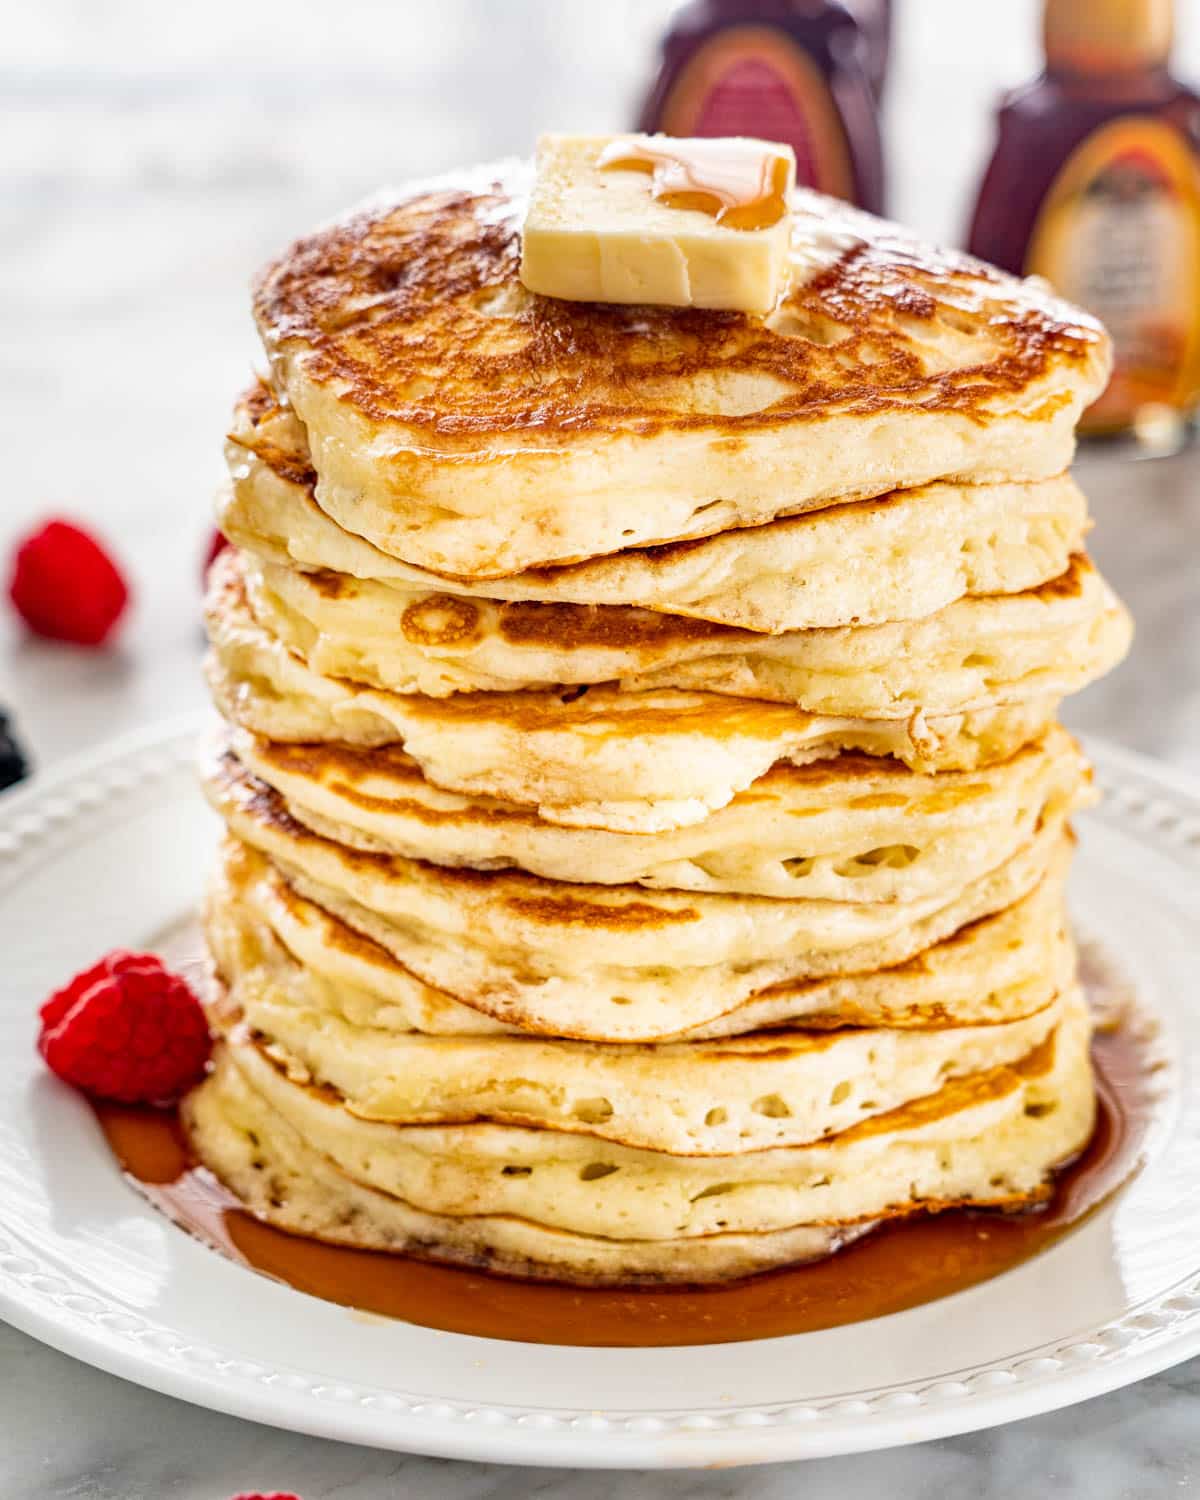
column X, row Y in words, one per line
column 584, row 758
column 562, row 1205
column 772, row 1088
column 855, row 828
column 551, row 925
column 462, row 424
column 266, row 1163
column 515, row 945
column 866, row 562
column 998, row 969
column 974, row 654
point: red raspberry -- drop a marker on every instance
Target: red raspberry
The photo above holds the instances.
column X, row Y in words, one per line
column 126, row 1029
column 62, row 1000
column 257, row 1495
column 65, row 586
column 217, row 544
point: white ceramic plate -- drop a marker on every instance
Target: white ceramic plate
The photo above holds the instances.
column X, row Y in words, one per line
column 114, row 851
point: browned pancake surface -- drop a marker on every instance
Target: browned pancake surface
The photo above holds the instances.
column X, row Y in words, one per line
column 413, row 310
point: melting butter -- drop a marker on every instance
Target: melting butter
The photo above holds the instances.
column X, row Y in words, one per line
column 654, row 220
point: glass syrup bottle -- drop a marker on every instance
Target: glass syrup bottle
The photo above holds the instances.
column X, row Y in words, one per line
column 1095, row 185
column 794, row 71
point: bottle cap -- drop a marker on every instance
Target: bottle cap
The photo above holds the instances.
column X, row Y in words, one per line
column 1107, row 36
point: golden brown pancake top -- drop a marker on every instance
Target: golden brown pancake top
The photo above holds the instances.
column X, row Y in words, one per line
column 413, row 312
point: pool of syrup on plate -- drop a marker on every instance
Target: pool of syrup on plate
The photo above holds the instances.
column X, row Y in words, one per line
column 900, row 1265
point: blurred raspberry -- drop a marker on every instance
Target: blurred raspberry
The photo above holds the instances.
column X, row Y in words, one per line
column 126, row 1029
column 217, row 544
column 65, row 586
column 258, row 1495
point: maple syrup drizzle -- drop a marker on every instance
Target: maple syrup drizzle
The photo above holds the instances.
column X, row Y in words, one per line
column 738, row 184
column 900, row 1265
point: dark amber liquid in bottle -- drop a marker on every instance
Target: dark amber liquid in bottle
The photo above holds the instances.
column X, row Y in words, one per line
column 1040, row 125
column 1095, row 184
column 794, row 71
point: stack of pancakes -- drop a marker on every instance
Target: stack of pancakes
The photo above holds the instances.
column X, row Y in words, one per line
column 647, row 818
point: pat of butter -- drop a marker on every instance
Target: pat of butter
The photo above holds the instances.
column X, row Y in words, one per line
column 611, row 219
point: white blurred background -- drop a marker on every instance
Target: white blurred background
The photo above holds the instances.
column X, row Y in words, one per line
column 153, row 154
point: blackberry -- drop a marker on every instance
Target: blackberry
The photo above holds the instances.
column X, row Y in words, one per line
column 14, row 765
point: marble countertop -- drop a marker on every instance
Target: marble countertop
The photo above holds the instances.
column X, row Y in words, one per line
column 67, row 1433
column 150, row 156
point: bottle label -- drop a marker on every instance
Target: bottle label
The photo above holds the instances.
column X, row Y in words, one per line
column 1119, row 233
column 754, row 80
